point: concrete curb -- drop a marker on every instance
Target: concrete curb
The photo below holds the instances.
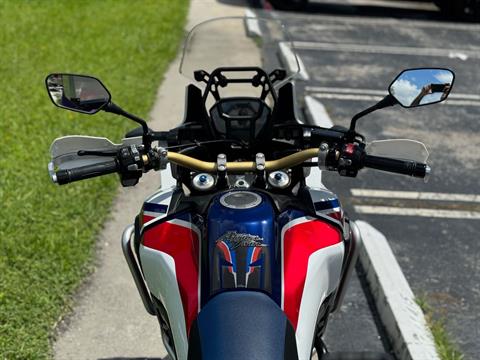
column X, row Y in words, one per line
column 403, row 319
column 316, row 113
column 252, row 24
column 293, row 63
column 286, row 55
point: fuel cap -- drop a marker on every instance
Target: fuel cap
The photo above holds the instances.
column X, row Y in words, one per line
column 240, row 200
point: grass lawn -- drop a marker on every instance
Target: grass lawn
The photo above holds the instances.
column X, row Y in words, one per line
column 47, row 233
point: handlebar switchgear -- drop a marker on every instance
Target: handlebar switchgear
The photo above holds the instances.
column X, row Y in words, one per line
column 351, row 159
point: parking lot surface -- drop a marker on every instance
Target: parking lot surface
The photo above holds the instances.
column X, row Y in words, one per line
column 351, row 53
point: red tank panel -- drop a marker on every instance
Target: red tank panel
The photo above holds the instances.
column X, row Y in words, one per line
column 179, row 240
column 299, row 242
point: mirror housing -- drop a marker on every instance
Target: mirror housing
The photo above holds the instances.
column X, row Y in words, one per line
column 87, row 95
column 412, row 88
column 424, row 86
column 80, row 93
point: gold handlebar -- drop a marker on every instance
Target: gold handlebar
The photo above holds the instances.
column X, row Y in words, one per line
column 204, row 166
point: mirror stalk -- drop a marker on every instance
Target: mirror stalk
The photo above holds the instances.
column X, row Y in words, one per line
column 115, row 109
column 387, row 101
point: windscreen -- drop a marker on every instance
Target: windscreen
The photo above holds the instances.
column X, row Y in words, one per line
column 238, row 42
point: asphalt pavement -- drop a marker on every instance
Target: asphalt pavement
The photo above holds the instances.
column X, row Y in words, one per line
column 352, row 50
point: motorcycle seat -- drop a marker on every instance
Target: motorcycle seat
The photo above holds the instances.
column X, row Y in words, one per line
column 238, row 325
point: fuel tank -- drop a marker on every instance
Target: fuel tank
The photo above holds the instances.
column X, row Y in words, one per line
column 241, row 241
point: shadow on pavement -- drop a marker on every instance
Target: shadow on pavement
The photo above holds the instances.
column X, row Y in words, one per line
column 251, row 3
column 236, row 2
column 136, row 358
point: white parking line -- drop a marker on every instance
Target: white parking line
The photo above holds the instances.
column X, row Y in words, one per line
column 327, row 20
column 461, row 103
column 358, row 97
column 325, row 89
column 432, row 213
column 412, row 5
column 388, row 50
column 414, row 195
column 402, row 317
column 355, row 97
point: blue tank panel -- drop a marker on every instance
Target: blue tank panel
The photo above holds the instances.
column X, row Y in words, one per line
column 241, row 245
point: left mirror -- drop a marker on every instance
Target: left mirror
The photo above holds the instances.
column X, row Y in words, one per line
column 80, row 93
column 417, row 87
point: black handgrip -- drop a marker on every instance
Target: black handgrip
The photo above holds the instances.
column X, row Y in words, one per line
column 136, row 132
column 160, row 135
column 405, row 167
column 85, row 172
column 329, row 135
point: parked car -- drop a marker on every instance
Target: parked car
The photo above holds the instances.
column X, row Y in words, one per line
column 469, row 9
column 465, row 9
column 289, row 4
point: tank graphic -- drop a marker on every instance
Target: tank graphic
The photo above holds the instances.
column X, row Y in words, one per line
column 170, row 256
column 238, row 260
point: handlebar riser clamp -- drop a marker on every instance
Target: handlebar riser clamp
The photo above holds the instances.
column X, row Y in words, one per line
column 222, row 163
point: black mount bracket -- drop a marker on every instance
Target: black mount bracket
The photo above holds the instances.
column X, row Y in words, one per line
column 387, row 101
column 147, row 136
column 217, row 79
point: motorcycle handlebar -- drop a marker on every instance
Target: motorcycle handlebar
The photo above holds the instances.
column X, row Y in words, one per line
column 66, row 176
column 405, row 167
column 272, row 165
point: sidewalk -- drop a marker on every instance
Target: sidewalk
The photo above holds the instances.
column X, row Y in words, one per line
column 109, row 320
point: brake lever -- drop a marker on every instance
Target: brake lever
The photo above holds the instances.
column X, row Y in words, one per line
column 96, row 153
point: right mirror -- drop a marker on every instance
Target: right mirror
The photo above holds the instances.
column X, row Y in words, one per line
column 80, row 93
column 417, row 87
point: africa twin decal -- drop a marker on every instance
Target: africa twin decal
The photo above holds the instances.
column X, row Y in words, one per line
column 234, row 239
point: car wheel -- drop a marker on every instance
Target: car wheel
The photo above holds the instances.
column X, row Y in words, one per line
column 289, row 4
column 460, row 9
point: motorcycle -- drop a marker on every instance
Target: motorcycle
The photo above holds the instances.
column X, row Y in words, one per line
column 242, row 253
